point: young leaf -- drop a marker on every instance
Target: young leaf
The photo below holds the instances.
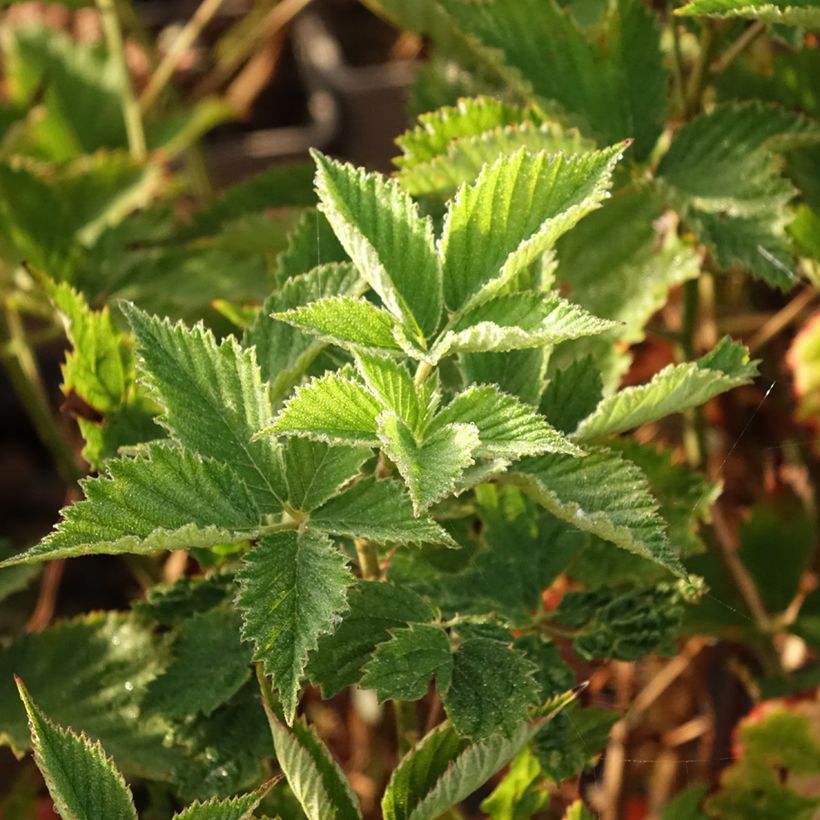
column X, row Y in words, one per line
column 345, row 321
column 507, row 428
column 604, row 494
column 208, row 648
column 333, row 408
column 291, row 587
column 514, row 212
column 314, row 776
column 401, row 668
column 316, row 472
column 283, row 350
column 517, row 321
column 672, row 390
column 213, row 399
column 433, row 467
column 232, row 808
column 395, row 387
column 521, row 794
column 490, row 689
column 444, row 768
column 379, row 510
column 166, row 498
column 82, row 780
column 390, row 243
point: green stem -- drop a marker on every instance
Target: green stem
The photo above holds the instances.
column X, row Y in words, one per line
column 407, row 725
column 21, row 365
column 700, row 71
column 677, row 68
column 694, row 431
column 422, row 372
column 738, row 47
column 130, row 107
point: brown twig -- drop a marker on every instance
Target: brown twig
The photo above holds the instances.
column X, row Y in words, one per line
column 782, row 319
column 47, row 599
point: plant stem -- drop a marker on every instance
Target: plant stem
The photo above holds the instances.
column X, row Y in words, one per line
column 422, row 372
column 738, row 47
column 677, row 68
column 700, row 72
column 407, row 725
column 368, row 559
column 130, row 108
column 694, row 433
column 21, row 366
column 184, row 40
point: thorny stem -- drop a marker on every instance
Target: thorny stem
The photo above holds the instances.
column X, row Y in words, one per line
column 130, row 108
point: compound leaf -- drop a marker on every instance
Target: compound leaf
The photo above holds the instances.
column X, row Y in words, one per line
column 490, row 689
column 213, row 399
column 444, row 768
column 345, row 321
column 513, row 213
column 375, row 608
column 291, row 588
column 166, row 498
column 507, row 428
column 401, row 667
column 314, row 776
column 390, row 243
column 379, row 510
column 82, row 780
column 433, row 467
column 672, row 390
column 333, row 408
column 604, row 494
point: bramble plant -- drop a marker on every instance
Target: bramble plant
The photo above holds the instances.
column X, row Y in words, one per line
column 382, row 469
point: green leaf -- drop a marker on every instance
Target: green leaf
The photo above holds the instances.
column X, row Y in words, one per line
column 491, row 688
column 621, row 263
column 390, row 243
column 572, row 741
column 396, row 389
column 332, row 408
column 685, row 805
column 513, row 213
column 81, row 778
column 375, row 608
column 207, row 648
column 166, row 498
column 379, row 510
column 803, row 13
column 578, row 811
column 517, row 372
column 449, row 146
column 401, row 667
column 316, row 472
column 517, row 321
column 615, row 83
column 311, row 244
column 88, row 673
column 507, row 428
column 572, row 394
column 284, row 351
column 345, row 321
column 234, row 808
column 171, row 604
column 213, row 399
column 522, row 792
column 291, row 588
column 314, row 776
column 722, row 172
column 674, row 389
column 604, row 494
column 445, row 768
column 432, row 468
